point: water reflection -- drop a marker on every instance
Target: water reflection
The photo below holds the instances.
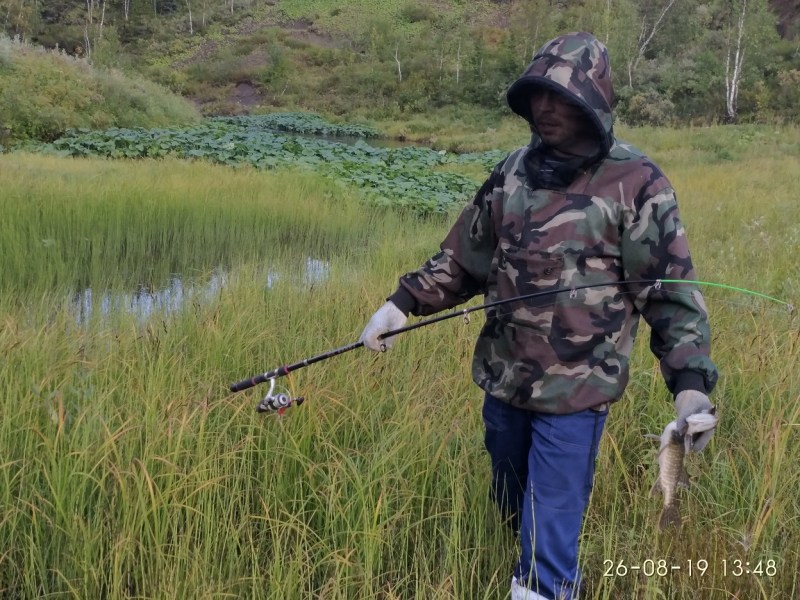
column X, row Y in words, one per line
column 180, row 291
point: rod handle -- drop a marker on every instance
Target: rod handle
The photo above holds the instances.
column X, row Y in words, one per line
column 246, row 384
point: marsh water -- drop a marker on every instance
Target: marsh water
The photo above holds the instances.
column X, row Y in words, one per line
column 179, row 289
column 143, row 302
column 114, row 247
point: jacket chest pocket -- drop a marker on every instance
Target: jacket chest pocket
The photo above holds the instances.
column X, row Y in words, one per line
column 520, row 272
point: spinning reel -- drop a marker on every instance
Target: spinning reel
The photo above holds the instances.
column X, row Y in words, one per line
column 279, row 402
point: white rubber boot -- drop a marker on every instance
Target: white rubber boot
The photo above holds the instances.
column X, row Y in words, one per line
column 520, row 592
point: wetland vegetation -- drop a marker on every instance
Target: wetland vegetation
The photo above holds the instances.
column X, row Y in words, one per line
column 128, row 469
column 151, row 258
column 407, row 176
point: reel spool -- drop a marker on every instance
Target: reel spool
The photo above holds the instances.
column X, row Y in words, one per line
column 277, row 403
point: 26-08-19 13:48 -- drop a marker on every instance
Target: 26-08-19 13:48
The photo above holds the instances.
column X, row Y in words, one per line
column 662, row 567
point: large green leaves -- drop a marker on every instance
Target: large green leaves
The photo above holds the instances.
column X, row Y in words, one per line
column 300, row 123
column 409, row 176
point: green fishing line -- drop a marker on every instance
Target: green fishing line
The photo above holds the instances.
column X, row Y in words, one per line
column 730, row 287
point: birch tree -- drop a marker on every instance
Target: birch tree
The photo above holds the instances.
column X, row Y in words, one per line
column 189, row 8
column 444, row 32
column 458, row 63
column 646, row 36
column 752, row 31
column 17, row 15
column 397, row 60
column 102, row 21
column 87, row 43
column 733, row 79
column 533, row 22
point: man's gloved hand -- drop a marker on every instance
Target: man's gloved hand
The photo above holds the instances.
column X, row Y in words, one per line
column 387, row 318
column 688, row 403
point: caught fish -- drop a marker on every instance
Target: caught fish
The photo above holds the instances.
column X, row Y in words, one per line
column 671, row 471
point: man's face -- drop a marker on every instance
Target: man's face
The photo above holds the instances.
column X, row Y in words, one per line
column 561, row 124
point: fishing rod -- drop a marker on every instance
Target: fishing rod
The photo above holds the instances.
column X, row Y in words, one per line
column 279, row 403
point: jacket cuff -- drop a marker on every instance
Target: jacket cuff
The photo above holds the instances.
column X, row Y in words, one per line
column 403, row 300
column 689, row 380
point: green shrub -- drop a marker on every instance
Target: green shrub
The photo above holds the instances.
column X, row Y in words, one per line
column 205, row 93
column 319, row 56
column 173, row 79
column 223, row 108
column 227, row 68
column 414, row 13
column 648, row 107
column 790, row 91
column 44, row 93
column 295, row 44
column 244, row 46
column 267, row 35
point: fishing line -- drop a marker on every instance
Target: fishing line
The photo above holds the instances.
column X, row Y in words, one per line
column 762, row 307
column 741, row 306
column 746, row 307
column 730, row 287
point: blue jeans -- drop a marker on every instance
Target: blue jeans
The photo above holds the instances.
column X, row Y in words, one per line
column 542, row 473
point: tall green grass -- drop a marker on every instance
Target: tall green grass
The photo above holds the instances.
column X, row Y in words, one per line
column 78, row 223
column 127, row 470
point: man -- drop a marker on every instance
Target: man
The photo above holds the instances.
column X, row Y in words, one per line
column 575, row 207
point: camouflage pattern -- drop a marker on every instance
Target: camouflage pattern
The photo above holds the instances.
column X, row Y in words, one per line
column 576, row 65
column 617, row 220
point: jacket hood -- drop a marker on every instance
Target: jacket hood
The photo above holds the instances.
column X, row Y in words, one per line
column 577, row 66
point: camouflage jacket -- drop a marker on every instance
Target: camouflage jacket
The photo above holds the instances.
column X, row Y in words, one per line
column 616, row 220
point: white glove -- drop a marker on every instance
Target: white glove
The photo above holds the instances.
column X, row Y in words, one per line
column 387, row 318
column 692, row 402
